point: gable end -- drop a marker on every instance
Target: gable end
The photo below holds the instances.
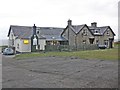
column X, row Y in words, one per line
column 110, row 30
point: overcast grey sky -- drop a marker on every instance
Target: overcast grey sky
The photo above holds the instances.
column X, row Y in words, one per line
column 55, row 13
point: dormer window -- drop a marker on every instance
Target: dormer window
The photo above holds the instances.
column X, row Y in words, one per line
column 97, row 31
column 38, row 32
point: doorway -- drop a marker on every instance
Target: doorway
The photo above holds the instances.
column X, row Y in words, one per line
column 110, row 42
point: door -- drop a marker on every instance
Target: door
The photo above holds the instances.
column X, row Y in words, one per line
column 110, row 42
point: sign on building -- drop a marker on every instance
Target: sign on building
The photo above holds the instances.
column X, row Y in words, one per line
column 26, row 41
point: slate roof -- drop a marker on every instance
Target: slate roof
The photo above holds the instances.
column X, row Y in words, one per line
column 45, row 32
column 50, row 30
column 77, row 28
column 101, row 29
column 51, row 33
column 54, row 37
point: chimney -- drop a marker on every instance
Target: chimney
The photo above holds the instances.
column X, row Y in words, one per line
column 34, row 30
column 69, row 22
column 94, row 24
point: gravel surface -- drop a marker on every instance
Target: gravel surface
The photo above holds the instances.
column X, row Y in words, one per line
column 58, row 72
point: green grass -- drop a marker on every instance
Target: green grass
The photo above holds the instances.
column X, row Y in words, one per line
column 106, row 54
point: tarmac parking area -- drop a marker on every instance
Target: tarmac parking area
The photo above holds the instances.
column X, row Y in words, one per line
column 58, row 72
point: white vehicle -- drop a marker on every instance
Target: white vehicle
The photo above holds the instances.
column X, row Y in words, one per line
column 102, row 46
column 8, row 51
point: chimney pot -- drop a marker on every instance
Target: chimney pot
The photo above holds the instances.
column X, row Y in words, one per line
column 69, row 22
column 94, row 24
column 34, row 30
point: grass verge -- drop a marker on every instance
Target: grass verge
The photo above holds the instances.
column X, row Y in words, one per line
column 106, row 54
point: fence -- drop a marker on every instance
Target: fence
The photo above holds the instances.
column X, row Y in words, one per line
column 70, row 48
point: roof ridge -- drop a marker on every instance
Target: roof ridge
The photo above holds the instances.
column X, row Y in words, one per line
column 19, row 26
column 37, row 27
column 51, row 27
column 103, row 26
column 79, row 25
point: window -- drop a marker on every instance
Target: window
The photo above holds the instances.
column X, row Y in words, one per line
column 12, row 42
column 108, row 32
column 84, row 41
column 54, row 42
column 38, row 32
column 17, row 46
column 91, row 40
column 97, row 31
column 12, row 36
column 84, row 32
column 97, row 41
column 106, row 42
column 48, row 42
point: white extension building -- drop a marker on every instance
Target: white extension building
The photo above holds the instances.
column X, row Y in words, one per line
column 30, row 39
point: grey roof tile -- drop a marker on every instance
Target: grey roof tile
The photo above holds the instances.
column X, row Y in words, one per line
column 77, row 28
column 22, row 31
column 54, row 37
column 45, row 32
column 101, row 29
column 50, row 31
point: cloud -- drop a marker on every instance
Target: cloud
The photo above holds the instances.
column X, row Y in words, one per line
column 57, row 12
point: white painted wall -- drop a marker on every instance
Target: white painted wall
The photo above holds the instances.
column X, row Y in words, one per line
column 11, row 36
column 25, row 47
column 17, row 41
column 42, row 43
column 22, row 47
